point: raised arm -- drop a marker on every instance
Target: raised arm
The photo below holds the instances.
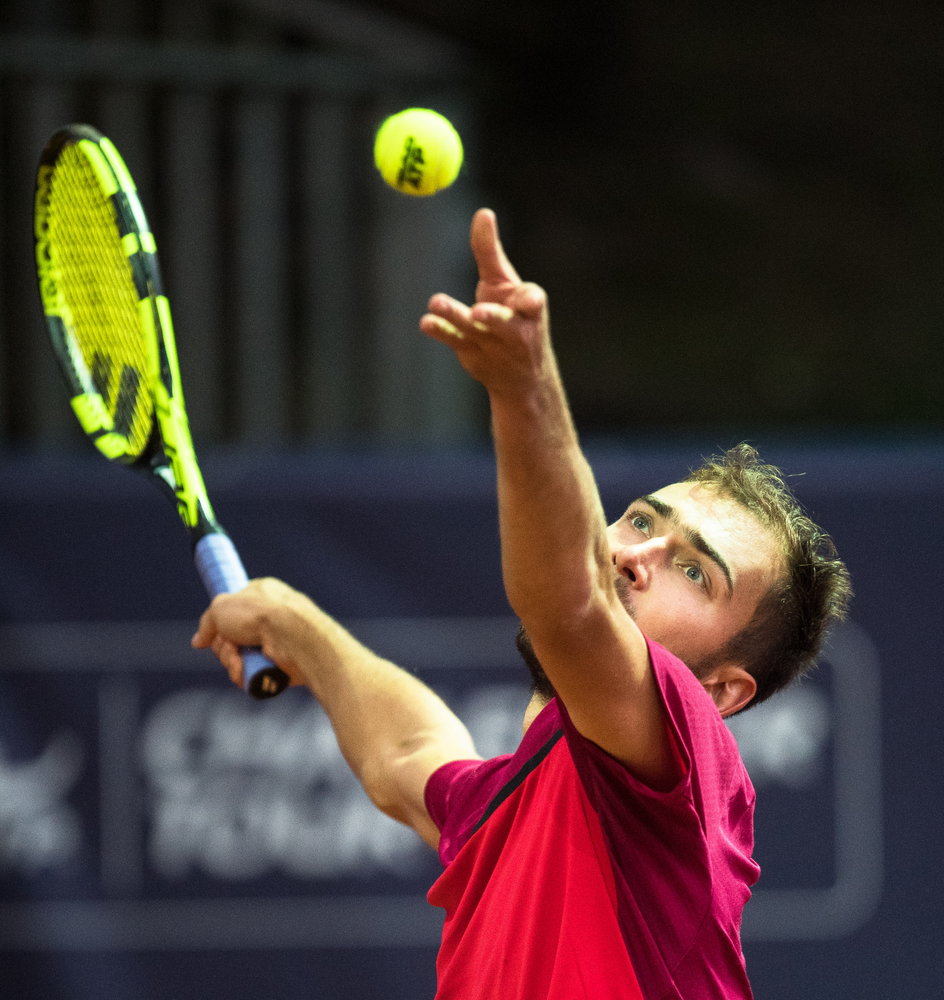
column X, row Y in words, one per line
column 558, row 571
column 391, row 728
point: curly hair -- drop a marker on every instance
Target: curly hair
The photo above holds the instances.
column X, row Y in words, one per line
column 783, row 639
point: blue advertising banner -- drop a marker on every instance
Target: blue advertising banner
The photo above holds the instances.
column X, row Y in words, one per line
column 161, row 834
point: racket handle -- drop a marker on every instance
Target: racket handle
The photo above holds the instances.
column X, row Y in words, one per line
column 222, row 572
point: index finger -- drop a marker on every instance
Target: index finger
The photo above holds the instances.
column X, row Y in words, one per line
column 206, row 630
column 493, row 264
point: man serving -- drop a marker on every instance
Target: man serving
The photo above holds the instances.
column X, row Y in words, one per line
column 610, row 855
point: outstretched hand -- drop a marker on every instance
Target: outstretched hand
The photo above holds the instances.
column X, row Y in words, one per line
column 503, row 339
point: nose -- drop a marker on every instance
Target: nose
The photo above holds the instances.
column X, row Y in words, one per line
column 637, row 561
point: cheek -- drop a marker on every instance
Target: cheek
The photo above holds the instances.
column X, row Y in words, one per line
column 676, row 619
column 659, row 613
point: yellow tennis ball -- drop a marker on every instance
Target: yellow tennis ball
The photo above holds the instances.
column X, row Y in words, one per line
column 418, row 152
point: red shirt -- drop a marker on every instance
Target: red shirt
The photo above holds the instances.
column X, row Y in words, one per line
column 565, row 878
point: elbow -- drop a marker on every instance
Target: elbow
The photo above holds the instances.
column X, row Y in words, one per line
column 395, row 780
column 379, row 780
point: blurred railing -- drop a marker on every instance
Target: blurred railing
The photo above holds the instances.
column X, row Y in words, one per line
column 295, row 276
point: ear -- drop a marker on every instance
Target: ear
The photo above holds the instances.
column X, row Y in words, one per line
column 731, row 688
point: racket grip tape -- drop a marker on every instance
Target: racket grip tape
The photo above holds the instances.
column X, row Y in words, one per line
column 222, row 572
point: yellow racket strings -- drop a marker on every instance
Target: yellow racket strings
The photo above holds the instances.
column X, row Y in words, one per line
column 98, row 293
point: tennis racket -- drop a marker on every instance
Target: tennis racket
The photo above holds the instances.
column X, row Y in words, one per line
column 111, row 330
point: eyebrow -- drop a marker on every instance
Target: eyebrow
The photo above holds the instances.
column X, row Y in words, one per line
column 695, row 538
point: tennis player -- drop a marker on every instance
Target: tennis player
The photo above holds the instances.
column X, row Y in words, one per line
column 610, row 856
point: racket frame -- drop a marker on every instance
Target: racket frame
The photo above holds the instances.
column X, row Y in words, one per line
column 168, row 455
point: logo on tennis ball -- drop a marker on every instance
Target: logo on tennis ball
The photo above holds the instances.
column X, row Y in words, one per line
column 418, row 151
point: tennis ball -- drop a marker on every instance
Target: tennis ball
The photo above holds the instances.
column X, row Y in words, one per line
column 418, row 152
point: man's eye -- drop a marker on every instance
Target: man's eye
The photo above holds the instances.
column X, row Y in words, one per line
column 641, row 522
column 695, row 574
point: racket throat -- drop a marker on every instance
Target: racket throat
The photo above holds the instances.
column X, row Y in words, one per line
column 193, row 511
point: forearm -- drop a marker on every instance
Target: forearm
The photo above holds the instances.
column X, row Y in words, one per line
column 554, row 549
column 557, row 566
column 554, row 554
column 391, row 728
column 382, row 715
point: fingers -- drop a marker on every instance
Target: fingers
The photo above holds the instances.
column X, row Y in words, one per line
column 494, row 266
column 265, row 614
column 440, row 329
column 229, row 655
column 502, row 337
column 212, row 625
column 209, row 637
column 206, row 630
column 527, row 301
column 449, row 320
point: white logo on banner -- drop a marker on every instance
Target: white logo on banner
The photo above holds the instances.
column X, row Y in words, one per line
column 784, row 741
column 38, row 830
column 238, row 790
column 237, row 793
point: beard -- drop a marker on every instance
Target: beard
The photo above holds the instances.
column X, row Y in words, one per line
column 625, row 594
column 540, row 682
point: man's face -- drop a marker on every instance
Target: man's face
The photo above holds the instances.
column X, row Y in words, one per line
column 692, row 566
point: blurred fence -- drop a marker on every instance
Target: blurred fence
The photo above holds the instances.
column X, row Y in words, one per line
column 296, row 277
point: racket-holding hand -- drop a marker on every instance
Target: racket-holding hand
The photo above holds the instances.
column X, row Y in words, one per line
column 267, row 614
column 503, row 340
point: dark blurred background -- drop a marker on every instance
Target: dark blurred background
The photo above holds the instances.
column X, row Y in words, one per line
column 738, row 212
column 738, row 208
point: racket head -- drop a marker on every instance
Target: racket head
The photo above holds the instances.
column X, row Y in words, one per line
column 100, row 286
